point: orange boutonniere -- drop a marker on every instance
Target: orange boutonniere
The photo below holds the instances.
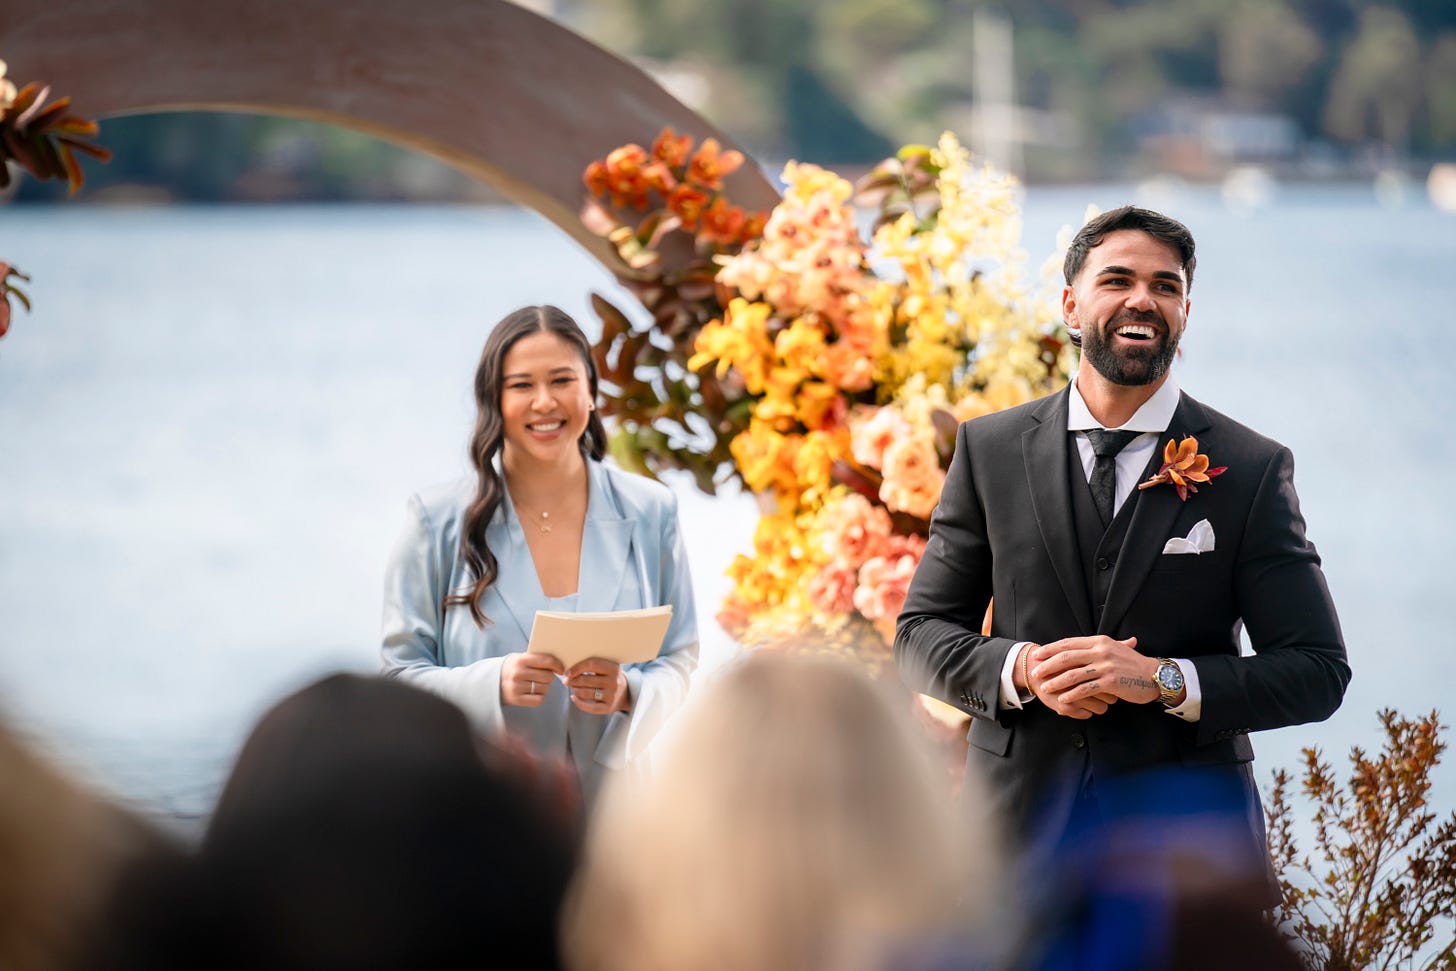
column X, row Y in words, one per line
column 1183, row 466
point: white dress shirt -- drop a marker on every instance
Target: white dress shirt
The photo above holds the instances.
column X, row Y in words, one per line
column 1152, row 419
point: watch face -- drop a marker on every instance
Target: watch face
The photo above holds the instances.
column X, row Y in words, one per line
column 1169, row 677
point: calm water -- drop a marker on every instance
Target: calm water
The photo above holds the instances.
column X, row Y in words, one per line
column 209, row 426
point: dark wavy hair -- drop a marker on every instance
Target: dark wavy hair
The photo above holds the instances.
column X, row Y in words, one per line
column 1164, row 229
column 489, row 437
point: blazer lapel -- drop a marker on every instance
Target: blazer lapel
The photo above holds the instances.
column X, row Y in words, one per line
column 606, row 546
column 1152, row 518
column 1044, row 448
column 516, row 584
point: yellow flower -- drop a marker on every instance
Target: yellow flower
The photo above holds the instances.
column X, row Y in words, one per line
column 813, row 462
column 820, row 406
column 739, row 340
column 801, row 346
column 765, row 457
column 804, row 181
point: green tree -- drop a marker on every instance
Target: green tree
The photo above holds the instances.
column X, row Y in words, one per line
column 1377, row 89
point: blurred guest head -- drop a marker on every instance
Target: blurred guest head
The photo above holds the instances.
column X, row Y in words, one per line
column 63, row 851
column 795, row 821
column 363, row 829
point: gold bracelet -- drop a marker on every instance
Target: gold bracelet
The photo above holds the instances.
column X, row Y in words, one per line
column 1025, row 675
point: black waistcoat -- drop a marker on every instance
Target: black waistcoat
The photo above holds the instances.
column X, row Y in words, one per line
column 1099, row 547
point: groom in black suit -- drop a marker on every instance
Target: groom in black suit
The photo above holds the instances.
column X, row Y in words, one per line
column 1114, row 642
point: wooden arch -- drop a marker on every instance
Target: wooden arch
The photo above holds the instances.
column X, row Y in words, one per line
column 491, row 88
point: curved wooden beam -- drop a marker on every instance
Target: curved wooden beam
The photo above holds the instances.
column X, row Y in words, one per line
column 495, row 90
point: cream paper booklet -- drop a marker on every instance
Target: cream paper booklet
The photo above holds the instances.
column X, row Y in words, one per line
column 624, row 636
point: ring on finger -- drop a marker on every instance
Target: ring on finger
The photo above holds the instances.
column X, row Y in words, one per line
column 532, row 689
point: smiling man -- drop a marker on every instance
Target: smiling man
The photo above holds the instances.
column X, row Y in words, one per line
column 1114, row 647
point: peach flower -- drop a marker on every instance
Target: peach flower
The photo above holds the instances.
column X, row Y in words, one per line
column 832, row 589
column 872, row 431
column 884, row 582
column 854, row 529
column 913, row 477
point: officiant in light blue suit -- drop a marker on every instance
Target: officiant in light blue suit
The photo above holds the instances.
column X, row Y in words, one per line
column 543, row 524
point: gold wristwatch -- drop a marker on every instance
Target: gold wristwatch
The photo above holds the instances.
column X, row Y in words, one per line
column 1170, row 681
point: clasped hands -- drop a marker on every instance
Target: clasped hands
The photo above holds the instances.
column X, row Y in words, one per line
column 1083, row 676
column 525, row 679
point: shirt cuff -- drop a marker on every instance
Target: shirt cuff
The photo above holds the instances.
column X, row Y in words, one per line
column 1008, row 696
column 1192, row 708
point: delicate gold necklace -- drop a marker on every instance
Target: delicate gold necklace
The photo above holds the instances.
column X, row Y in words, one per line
column 543, row 524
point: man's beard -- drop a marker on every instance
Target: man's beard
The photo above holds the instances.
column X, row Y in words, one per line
column 1137, row 365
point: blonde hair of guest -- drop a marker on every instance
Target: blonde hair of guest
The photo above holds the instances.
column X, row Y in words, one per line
column 62, row 852
column 795, row 821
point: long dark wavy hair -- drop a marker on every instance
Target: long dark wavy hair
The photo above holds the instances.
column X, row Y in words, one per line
column 489, row 437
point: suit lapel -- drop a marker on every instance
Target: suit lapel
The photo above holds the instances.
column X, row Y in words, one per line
column 516, row 583
column 1152, row 518
column 1044, row 448
column 606, row 546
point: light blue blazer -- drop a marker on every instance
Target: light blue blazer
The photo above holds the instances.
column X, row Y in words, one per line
column 632, row 556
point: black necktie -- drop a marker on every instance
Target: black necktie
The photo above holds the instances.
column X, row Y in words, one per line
column 1106, row 445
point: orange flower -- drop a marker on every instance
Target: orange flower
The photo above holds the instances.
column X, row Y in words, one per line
column 687, row 203
column 672, row 148
column 1182, row 467
column 848, row 367
column 659, row 177
column 710, row 163
column 596, row 178
column 754, row 224
column 722, row 223
column 625, row 176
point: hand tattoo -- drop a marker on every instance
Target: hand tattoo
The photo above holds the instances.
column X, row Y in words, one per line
column 1136, row 682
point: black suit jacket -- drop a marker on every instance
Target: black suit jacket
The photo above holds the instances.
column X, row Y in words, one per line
column 1004, row 529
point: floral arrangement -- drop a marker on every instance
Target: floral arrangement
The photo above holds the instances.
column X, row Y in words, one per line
column 846, row 362
column 42, row 139
column 664, row 211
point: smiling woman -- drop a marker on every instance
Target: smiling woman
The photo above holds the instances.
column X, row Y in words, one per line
column 542, row 525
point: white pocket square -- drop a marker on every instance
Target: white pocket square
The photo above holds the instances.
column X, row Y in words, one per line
column 1199, row 540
